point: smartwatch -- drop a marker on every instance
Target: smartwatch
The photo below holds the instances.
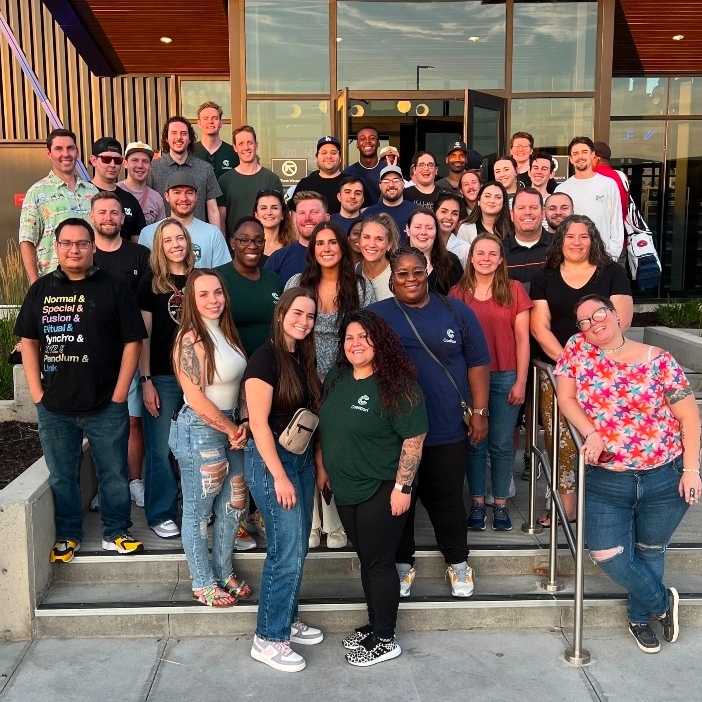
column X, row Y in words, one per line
column 144, row 378
column 405, row 489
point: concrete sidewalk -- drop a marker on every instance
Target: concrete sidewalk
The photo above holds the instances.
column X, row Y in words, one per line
column 439, row 665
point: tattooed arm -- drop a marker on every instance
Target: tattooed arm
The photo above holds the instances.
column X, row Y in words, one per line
column 410, row 456
column 684, row 408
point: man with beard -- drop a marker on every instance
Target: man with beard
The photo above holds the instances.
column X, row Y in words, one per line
column 424, row 169
column 595, row 195
column 557, row 207
column 327, row 180
column 106, row 159
column 137, row 164
column 350, row 199
column 457, row 160
column 128, row 261
column 177, row 144
column 369, row 165
column 209, row 246
column 392, row 186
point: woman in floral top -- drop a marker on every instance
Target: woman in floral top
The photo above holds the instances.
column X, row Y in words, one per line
column 641, row 441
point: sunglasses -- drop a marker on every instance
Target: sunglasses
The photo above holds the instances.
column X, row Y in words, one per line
column 117, row 160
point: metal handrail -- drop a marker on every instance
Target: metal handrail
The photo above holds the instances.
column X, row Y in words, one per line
column 576, row 654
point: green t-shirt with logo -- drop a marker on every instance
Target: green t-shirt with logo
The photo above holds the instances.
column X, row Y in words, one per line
column 360, row 443
column 253, row 303
column 222, row 160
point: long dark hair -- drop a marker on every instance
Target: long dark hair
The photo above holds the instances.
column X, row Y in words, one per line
column 439, row 256
column 191, row 321
column 598, row 255
column 286, row 231
column 290, row 391
column 348, row 283
column 503, row 222
column 394, row 373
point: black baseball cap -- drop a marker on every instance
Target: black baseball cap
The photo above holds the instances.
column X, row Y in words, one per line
column 105, row 145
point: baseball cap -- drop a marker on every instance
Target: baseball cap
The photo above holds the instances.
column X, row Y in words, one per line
column 602, row 150
column 135, row 146
column 328, row 140
column 106, row 144
column 457, row 146
column 474, row 160
column 388, row 150
column 181, row 178
column 390, row 169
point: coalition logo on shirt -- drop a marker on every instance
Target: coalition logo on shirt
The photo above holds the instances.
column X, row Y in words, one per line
column 449, row 337
column 599, row 198
column 127, row 211
column 225, row 163
column 197, row 251
column 362, row 402
column 275, row 297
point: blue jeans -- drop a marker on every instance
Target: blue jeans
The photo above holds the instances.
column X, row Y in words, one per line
column 499, row 441
column 636, row 513
column 287, row 532
column 207, row 469
column 160, row 483
column 61, row 437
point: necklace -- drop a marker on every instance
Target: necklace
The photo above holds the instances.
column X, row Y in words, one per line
column 616, row 348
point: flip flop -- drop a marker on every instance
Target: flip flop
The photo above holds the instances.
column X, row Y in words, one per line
column 214, row 596
column 545, row 520
column 242, row 591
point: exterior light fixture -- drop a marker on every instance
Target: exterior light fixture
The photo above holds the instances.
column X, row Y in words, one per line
column 678, row 37
column 166, row 40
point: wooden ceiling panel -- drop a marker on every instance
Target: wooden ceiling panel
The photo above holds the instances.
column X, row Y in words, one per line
column 643, row 37
column 133, row 28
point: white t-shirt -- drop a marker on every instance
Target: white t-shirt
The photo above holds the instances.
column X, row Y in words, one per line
column 459, row 247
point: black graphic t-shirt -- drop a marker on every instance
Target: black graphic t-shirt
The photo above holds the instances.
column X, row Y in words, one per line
column 165, row 311
column 82, row 327
column 130, row 262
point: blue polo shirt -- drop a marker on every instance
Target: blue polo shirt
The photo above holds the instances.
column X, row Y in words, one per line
column 456, row 338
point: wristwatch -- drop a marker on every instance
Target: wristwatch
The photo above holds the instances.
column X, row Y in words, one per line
column 405, row 489
column 144, row 378
column 483, row 411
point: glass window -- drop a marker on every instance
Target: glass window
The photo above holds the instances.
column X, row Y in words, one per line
column 287, row 47
column 288, row 129
column 194, row 92
column 382, row 44
column 554, row 46
column 686, row 96
column 632, row 97
column 553, row 122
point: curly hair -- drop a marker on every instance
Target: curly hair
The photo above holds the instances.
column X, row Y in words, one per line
column 440, row 259
column 503, row 222
column 598, row 255
column 165, row 147
column 286, row 230
column 394, row 373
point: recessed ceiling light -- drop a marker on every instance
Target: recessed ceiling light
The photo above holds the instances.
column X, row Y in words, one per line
column 473, row 38
column 338, row 39
column 678, row 37
column 166, row 40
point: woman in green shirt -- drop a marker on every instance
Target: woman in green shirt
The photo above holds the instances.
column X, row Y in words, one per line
column 372, row 427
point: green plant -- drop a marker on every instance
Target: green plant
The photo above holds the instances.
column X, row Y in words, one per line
column 687, row 313
column 13, row 279
column 7, row 342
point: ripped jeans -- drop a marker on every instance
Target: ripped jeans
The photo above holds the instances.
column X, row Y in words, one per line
column 207, row 469
column 630, row 517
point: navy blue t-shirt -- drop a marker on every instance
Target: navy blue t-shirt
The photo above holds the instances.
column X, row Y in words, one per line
column 457, row 340
column 370, row 177
column 344, row 222
column 400, row 213
column 287, row 262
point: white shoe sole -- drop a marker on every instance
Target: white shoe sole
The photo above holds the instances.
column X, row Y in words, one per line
column 676, row 603
column 308, row 641
column 112, row 546
column 380, row 659
column 290, row 668
column 238, row 546
column 461, row 594
column 164, row 535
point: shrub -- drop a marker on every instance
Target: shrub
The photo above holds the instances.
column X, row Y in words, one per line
column 687, row 313
column 7, row 342
column 13, row 279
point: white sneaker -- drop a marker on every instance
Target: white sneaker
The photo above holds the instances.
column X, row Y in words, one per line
column 95, row 503
column 166, row 530
column 337, row 538
column 315, row 537
column 461, row 580
column 243, row 540
column 256, row 525
column 277, row 654
column 136, row 490
column 406, row 580
column 301, row 633
column 490, row 499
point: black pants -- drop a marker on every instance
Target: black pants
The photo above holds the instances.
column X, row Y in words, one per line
column 375, row 533
column 441, row 475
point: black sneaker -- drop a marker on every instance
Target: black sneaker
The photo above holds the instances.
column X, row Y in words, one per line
column 645, row 638
column 373, row 650
column 476, row 518
column 669, row 622
column 526, row 473
column 353, row 641
column 500, row 518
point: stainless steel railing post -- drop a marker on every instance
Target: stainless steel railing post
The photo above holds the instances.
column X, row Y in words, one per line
column 532, row 526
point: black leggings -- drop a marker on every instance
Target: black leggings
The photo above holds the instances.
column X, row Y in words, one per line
column 375, row 533
column 441, row 476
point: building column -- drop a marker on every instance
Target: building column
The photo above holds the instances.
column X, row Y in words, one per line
column 603, row 68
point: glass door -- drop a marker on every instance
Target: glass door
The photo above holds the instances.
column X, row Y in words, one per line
column 436, row 136
column 485, row 127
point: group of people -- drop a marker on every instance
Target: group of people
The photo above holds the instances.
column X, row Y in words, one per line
column 405, row 326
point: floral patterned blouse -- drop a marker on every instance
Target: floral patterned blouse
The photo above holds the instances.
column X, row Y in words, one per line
column 626, row 403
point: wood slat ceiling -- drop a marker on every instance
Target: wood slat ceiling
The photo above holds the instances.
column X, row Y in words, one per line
column 643, row 37
column 133, row 29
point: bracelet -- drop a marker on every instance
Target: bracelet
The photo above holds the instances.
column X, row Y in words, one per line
column 690, row 470
column 594, row 431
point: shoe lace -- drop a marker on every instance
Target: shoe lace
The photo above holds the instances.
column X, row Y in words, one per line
column 461, row 574
column 300, row 626
column 478, row 509
column 282, row 646
column 501, row 511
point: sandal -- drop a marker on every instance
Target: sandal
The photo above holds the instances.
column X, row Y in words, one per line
column 214, row 596
column 545, row 520
column 240, row 590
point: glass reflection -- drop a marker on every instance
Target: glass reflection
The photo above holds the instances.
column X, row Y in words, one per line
column 194, row 92
column 553, row 122
column 639, row 96
column 380, row 45
column 554, row 46
column 686, row 96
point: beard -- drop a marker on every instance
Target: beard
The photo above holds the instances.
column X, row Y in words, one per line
column 108, row 231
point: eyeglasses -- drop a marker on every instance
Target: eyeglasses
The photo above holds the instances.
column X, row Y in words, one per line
column 425, row 165
column 245, row 241
column 599, row 315
column 118, row 160
column 68, row 245
column 388, row 181
column 418, row 273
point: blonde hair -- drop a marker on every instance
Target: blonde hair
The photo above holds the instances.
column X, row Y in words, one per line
column 163, row 279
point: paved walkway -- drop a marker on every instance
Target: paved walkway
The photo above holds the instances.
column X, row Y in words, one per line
column 485, row 665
